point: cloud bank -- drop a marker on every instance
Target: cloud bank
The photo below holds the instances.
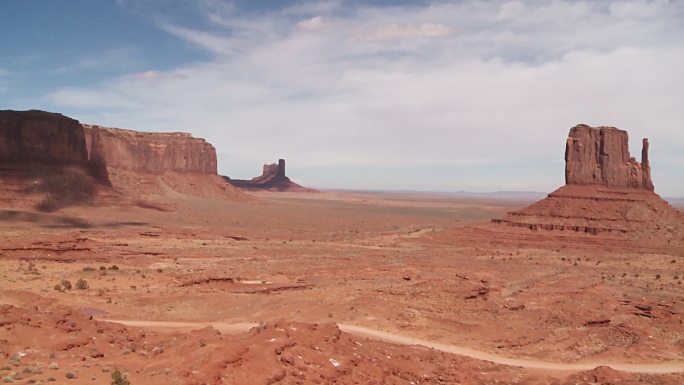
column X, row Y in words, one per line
column 332, row 84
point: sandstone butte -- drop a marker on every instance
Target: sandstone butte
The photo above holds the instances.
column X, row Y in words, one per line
column 606, row 191
column 272, row 178
column 48, row 146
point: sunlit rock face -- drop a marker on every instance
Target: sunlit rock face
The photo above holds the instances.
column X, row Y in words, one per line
column 150, row 152
column 600, row 156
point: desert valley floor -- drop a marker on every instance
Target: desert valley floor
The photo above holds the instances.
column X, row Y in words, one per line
column 332, row 287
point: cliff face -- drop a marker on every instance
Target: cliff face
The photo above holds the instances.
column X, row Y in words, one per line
column 600, row 156
column 153, row 153
column 40, row 136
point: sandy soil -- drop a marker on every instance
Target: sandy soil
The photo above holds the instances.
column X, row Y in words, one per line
column 402, row 269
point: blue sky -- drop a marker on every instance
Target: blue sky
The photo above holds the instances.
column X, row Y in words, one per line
column 427, row 95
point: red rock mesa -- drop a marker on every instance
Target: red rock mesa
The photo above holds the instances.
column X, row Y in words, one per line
column 69, row 163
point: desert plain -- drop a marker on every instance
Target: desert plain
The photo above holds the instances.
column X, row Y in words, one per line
column 279, row 274
column 125, row 258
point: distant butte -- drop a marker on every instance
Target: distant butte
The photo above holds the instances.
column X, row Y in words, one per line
column 606, row 191
column 272, row 178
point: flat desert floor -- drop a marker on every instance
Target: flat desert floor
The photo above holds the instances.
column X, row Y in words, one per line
column 333, row 287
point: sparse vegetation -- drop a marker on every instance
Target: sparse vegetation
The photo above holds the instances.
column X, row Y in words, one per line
column 113, row 267
column 64, row 285
column 119, row 379
column 81, row 284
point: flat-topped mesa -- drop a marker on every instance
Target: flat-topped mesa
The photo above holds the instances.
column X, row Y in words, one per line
column 149, row 152
column 600, row 156
column 48, row 154
column 40, row 136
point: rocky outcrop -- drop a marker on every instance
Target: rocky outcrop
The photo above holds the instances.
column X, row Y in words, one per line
column 40, row 136
column 272, row 178
column 600, row 156
column 148, row 152
column 606, row 192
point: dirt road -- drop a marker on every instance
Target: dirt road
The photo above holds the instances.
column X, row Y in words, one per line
column 653, row 368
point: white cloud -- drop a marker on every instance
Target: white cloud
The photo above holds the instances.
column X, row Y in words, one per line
column 311, row 24
column 326, row 84
column 395, row 31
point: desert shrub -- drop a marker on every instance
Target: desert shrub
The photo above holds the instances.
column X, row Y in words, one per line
column 119, row 379
column 103, row 268
column 58, row 287
column 66, row 284
column 81, row 284
column 113, row 267
column 88, row 268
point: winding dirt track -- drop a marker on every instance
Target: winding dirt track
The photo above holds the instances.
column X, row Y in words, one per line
column 661, row 368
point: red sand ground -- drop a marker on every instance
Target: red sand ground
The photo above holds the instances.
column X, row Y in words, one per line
column 422, row 267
